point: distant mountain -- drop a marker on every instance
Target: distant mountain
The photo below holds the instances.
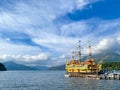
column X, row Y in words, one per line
column 40, row 67
column 2, row 67
column 14, row 66
column 112, row 57
column 61, row 67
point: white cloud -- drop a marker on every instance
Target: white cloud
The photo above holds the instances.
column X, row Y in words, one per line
column 76, row 29
column 36, row 19
column 107, row 44
column 82, row 3
column 25, row 58
column 104, row 44
column 62, row 57
column 57, row 43
column 6, row 47
column 41, row 56
column 41, row 14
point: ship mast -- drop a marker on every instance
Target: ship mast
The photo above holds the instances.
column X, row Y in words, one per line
column 79, row 52
column 89, row 53
column 73, row 55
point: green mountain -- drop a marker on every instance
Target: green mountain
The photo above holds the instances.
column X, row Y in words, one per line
column 2, row 67
column 112, row 57
column 111, row 66
column 14, row 66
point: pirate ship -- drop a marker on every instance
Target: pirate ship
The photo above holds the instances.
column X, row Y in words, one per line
column 75, row 67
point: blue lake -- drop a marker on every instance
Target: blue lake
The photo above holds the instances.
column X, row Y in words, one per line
column 51, row 80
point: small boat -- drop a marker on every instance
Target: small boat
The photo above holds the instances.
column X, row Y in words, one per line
column 67, row 75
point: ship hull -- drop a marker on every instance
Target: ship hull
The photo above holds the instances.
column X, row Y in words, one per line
column 83, row 75
column 81, row 69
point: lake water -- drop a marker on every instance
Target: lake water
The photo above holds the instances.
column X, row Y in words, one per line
column 51, row 80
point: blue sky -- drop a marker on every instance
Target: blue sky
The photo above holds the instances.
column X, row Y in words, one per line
column 42, row 32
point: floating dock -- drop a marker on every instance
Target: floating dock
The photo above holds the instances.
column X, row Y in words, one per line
column 110, row 76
